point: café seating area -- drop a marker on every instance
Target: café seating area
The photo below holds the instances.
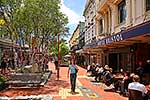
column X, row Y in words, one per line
column 120, row 81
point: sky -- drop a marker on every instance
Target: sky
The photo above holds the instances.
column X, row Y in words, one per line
column 74, row 10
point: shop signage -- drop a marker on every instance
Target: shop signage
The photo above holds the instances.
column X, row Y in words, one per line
column 141, row 29
column 115, row 38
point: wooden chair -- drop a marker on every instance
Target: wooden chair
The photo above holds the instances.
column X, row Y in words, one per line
column 135, row 95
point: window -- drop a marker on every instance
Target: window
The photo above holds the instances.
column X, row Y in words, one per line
column 100, row 26
column 122, row 11
column 147, row 5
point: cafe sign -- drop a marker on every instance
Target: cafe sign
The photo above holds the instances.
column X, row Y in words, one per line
column 115, row 38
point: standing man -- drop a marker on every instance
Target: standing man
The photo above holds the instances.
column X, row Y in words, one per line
column 73, row 75
column 3, row 65
column 56, row 64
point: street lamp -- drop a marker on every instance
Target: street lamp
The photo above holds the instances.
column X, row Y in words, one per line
column 58, row 56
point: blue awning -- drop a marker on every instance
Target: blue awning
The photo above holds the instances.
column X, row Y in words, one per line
column 139, row 30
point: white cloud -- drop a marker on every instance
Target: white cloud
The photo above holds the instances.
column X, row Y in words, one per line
column 73, row 17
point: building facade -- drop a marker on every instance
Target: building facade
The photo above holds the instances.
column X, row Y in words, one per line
column 76, row 42
column 90, row 29
column 122, row 31
column 81, row 38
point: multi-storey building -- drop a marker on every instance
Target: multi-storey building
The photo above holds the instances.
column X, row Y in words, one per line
column 90, row 29
column 81, row 37
column 89, row 14
column 76, row 42
column 122, row 32
column 73, row 42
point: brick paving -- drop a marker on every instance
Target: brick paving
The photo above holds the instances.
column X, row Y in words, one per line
column 60, row 89
column 96, row 90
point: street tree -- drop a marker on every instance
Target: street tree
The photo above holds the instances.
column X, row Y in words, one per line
column 40, row 20
column 64, row 50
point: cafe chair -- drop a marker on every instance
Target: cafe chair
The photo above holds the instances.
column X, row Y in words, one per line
column 135, row 95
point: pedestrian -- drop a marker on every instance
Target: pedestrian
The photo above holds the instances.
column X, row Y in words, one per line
column 3, row 65
column 56, row 64
column 72, row 70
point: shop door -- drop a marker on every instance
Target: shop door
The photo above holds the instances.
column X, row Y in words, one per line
column 113, row 61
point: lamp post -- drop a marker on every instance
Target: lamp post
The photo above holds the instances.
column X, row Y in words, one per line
column 58, row 56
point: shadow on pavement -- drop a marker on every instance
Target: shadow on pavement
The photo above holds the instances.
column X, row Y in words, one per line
column 110, row 90
column 74, row 93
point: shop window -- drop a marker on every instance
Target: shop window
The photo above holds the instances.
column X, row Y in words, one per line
column 147, row 5
column 100, row 26
column 122, row 11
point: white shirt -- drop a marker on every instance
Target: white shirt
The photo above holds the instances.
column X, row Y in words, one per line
column 88, row 68
column 137, row 86
column 101, row 70
column 97, row 68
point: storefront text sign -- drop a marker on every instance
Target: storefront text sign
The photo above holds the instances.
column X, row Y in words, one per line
column 114, row 38
column 111, row 39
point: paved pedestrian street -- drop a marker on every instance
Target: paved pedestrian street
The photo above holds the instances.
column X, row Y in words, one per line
column 86, row 89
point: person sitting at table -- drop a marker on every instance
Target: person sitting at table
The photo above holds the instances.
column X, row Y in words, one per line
column 99, row 71
column 135, row 85
column 124, row 83
column 91, row 69
column 107, row 75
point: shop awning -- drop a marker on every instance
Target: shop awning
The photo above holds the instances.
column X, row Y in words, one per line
column 140, row 33
column 137, row 34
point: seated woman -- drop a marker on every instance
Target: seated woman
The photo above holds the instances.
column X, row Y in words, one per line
column 90, row 69
column 107, row 75
column 99, row 74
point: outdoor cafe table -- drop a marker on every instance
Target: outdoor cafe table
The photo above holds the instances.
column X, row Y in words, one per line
column 118, row 77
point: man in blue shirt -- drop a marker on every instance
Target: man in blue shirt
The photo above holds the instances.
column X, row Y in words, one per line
column 73, row 75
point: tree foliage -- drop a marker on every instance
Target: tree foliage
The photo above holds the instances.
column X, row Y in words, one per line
column 63, row 49
column 40, row 19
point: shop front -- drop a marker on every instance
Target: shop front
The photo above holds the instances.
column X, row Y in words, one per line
column 123, row 50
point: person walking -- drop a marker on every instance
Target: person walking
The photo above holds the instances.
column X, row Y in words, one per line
column 72, row 70
column 3, row 65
